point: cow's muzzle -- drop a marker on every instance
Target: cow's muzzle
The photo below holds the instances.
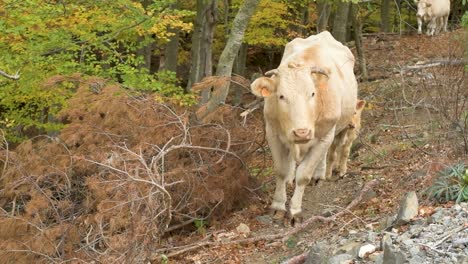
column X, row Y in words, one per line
column 302, row 135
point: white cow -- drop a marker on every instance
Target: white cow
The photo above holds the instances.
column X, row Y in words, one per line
column 309, row 99
column 435, row 13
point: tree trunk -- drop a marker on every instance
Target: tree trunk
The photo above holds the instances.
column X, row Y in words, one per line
column 397, row 16
column 340, row 23
column 385, row 16
column 147, row 51
column 239, row 68
column 202, row 40
column 171, row 52
column 323, row 13
column 228, row 55
column 357, row 34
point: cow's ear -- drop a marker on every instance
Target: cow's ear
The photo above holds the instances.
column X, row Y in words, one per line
column 360, row 104
column 263, row 87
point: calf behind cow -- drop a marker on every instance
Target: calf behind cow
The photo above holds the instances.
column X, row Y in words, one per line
column 309, row 99
column 435, row 13
column 341, row 146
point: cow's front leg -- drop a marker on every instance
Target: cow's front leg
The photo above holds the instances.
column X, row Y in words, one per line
column 420, row 21
column 315, row 158
column 284, row 167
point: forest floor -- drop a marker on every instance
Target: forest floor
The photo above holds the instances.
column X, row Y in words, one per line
column 403, row 144
column 129, row 179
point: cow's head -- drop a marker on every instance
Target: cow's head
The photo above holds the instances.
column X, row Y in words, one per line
column 424, row 9
column 290, row 94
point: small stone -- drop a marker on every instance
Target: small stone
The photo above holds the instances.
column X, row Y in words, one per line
column 371, row 236
column 366, row 250
column 340, row 259
column 318, row 254
column 343, row 241
column 379, row 258
column 457, row 207
column 243, row 229
column 408, row 208
column 350, row 248
column 416, row 260
column 374, row 256
column 352, row 232
column 415, row 250
column 386, row 222
column 391, row 255
column 386, row 241
column 415, row 230
column 266, row 219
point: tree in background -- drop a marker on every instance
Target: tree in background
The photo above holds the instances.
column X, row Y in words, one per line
column 202, row 40
column 226, row 60
column 385, row 16
column 340, row 22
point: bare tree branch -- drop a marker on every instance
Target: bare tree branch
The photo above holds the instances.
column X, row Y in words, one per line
column 16, row 76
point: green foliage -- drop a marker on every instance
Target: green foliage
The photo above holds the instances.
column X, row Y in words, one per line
column 465, row 19
column 99, row 38
column 451, row 185
column 200, row 224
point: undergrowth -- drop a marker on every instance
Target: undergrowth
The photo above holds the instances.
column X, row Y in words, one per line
column 451, row 185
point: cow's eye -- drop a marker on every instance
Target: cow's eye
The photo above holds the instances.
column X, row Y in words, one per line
column 281, row 97
column 312, row 95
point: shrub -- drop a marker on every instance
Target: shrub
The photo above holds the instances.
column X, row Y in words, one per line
column 451, row 185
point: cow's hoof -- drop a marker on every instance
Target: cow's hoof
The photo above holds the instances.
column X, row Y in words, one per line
column 277, row 216
column 296, row 219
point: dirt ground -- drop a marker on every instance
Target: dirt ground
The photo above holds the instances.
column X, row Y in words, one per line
column 403, row 144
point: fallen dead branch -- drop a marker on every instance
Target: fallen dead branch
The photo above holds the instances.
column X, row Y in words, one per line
column 171, row 252
column 434, row 63
column 15, row 76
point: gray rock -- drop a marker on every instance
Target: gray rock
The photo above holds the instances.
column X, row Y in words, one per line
column 416, row 260
column 366, row 250
column 266, row 219
column 386, row 241
column 457, row 207
column 375, row 256
column 379, row 259
column 415, row 230
column 415, row 250
column 408, row 208
column 371, row 236
column 243, row 229
column 318, row 254
column 386, row 222
column 351, row 248
column 391, row 255
column 340, row 259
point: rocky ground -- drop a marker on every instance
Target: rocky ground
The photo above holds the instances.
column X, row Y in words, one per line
column 407, row 237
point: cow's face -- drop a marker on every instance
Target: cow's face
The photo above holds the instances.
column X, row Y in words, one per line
column 424, row 9
column 291, row 95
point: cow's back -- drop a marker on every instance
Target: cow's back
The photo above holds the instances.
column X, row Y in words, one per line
column 440, row 8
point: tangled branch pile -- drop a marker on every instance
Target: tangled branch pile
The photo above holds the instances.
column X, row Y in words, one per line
column 124, row 171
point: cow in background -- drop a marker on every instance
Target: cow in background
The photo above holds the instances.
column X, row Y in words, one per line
column 435, row 13
column 309, row 99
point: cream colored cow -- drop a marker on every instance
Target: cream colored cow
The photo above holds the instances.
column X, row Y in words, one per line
column 309, row 99
column 435, row 13
column 341, row 146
